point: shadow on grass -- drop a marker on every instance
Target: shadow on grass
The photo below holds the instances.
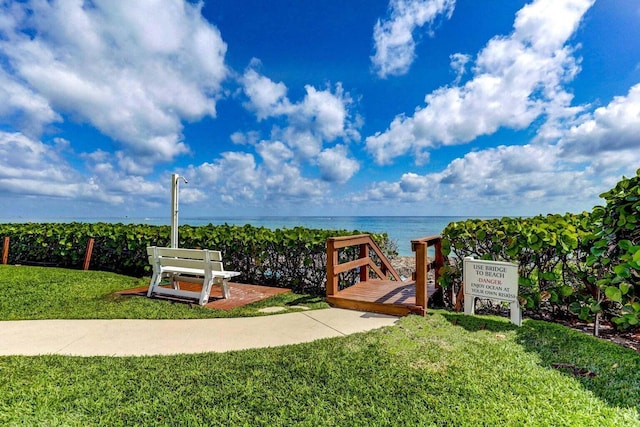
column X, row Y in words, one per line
column 306, row 299
column 477, row 323
column 609, row 371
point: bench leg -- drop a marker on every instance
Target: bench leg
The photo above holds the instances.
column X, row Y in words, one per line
column 155, row 280
column 206, row 291
column 208, row 284
column 175, row 281
column 225, row 288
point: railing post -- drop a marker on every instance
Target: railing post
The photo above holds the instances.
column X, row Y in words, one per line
column 421, row 275
column 87, row 255
column 364, row 270
column 5, row 251
column 332, row 261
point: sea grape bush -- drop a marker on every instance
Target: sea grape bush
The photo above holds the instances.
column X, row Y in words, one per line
column 615, row 252
column 544, row 247
column 293, row 258
column 587, row 264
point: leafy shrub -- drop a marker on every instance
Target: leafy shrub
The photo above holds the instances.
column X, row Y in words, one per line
column 587, row 264
column 615, row 253
column 544, row 247
column 292, row 258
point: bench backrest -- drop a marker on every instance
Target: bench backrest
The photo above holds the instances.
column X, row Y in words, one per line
column 183, row 253
column 185, row 258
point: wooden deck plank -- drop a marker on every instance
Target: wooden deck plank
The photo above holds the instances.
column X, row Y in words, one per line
column 241, row 294
column 380, row 296
column 373, row 307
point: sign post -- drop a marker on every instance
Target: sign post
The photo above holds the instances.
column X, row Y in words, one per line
column 494, row 280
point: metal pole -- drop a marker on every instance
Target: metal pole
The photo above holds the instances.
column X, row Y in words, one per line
column 174, row 210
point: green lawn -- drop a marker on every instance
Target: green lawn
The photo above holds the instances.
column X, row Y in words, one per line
column 442, row 370
column 54, row 293
column 423, row 371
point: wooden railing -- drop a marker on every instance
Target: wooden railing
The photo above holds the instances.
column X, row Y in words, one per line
column 364, row 261
column 423, row 266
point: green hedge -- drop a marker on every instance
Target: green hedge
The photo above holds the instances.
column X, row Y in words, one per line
column 546, row 249
column 292, row 258
column 615, row 252
column 584, row 264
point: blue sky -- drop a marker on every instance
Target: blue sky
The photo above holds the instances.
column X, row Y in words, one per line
column 349, row 107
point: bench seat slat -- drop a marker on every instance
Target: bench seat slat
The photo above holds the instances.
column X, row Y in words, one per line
column 200, row 272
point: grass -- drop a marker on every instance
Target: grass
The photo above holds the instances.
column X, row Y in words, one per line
column 53, row 293
column 446, row 369
column 423, row 371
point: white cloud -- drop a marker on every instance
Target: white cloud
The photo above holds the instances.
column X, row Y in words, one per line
column 23, row 157
column 335, row 164
column 29, row 110
column 324, row 112
column 266, row 97
column 237, row 179
column 274, row 154
column 458, row 64
column 304, row 142
column 134, row 71
column 609, row 137
column 393, row 38
column 558, row 174
column 233, row 176
column 299, row 134
column 525, row 179
column 190, row 195
column 516, row 80
column 321, row 116
column 31, row 168
column 515, row 180
column 413, row 183
column 289, row 184
column 245, row 138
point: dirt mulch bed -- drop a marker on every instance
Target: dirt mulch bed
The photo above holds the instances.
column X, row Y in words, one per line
column 627, row 338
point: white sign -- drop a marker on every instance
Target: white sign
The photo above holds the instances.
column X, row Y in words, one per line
column 494, row 280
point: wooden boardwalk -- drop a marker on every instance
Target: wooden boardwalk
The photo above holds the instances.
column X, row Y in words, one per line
column 379, row 288
column 241, row 294
column 381, row 296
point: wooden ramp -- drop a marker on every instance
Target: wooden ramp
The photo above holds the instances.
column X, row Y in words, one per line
column 386, row 292
column 241, row 294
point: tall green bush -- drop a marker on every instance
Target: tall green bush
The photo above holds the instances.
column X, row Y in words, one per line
column 587, row 264
column 616, row 250
column 293, row 258
column 544, row 247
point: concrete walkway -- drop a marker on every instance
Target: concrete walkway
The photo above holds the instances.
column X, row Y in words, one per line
column 162, row 337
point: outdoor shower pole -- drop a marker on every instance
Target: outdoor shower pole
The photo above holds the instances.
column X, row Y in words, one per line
column 174, row 210
column 174, row 207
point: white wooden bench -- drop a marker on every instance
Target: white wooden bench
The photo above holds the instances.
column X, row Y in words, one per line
column 187, row 265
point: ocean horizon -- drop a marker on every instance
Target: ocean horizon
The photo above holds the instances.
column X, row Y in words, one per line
column 400, row 229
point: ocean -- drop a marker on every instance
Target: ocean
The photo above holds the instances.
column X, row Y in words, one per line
column 401, row 229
